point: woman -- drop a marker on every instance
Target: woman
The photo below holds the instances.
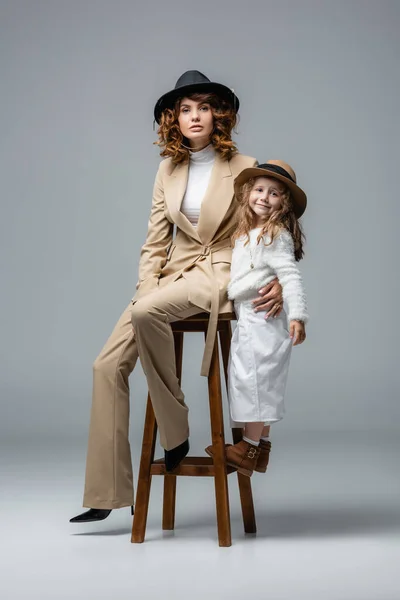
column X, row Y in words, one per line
column 177, row 278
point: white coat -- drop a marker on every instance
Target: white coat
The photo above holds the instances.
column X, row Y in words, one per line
column 260, row 348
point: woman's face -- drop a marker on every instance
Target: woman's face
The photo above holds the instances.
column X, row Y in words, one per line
column 196, row 122
column 265, row 197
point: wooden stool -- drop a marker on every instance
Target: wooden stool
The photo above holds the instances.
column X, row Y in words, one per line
column 195, row 466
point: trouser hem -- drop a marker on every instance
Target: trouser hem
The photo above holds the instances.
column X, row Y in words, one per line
column 107, row 504
column 177, row 441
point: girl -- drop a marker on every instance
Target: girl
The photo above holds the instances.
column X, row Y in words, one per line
column 268, row 242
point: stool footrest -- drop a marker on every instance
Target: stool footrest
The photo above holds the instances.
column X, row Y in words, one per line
column 191, row 466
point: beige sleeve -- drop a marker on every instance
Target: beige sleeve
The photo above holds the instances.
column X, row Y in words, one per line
column 153, row 254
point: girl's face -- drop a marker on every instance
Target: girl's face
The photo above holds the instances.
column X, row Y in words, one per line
column 265, row 198
column 196, row 122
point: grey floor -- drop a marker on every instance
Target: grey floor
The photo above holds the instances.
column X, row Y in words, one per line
column 328, row 516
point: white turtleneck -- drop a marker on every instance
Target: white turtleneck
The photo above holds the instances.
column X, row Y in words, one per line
column 200, row 167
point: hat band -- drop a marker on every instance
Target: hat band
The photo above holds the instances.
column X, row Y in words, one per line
column 277, row 170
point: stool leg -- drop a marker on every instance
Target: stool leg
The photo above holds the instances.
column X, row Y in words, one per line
column 218, row 442
column 144, row 482
column 246, row 495
column 168, row 520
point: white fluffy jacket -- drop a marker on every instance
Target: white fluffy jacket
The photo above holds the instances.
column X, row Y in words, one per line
column 274, row 260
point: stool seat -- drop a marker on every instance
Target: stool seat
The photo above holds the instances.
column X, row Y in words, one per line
column 200, row 322
column 195, row 466
column 204, row 316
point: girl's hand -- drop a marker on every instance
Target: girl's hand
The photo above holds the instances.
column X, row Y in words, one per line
column 297, row 332
column 270, row 299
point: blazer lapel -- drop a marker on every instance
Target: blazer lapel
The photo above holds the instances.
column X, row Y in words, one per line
column 174, row 190
column 216, row 201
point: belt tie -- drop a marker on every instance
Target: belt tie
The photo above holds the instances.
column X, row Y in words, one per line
column 205, row 254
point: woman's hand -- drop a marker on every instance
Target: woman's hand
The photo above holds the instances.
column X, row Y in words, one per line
column 270, row 299
column 297, row 332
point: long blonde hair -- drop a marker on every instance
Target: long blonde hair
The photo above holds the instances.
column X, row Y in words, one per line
column 283, row 218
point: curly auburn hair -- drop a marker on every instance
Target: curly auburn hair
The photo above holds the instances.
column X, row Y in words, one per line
column 283, row 218
column 170, row 138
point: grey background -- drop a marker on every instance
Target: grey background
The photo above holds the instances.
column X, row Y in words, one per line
column 319, row 88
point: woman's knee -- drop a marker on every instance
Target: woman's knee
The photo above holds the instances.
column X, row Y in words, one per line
column 108, row 364
column 144, row 312
column 100, row 364
column 118, row 354
column 139, row 312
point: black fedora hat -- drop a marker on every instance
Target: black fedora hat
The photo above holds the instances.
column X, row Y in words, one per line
column 194, row 82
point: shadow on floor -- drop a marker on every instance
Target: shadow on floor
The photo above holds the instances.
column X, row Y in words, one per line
column 105, row 532
column 304, row 522
column 309, row 522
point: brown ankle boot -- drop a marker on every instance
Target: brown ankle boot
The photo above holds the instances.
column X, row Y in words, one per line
column 262, row 462
column 263, row 457
column 243, row 456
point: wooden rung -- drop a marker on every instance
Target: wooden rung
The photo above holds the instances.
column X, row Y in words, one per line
column 189, row 460
column 194, row 466
column 181, row 326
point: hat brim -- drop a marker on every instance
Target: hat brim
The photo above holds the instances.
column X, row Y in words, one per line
column 168, row 100
column 297, row 194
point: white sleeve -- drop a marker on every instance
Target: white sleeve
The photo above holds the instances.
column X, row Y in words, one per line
column 280, row 257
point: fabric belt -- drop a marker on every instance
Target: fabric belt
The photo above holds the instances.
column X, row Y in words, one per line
column 205, row 253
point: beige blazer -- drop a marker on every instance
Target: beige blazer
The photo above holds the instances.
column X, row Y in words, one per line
column 202, row 255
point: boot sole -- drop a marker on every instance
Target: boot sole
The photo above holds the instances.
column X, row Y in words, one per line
column 263, row 470
column 241, row 470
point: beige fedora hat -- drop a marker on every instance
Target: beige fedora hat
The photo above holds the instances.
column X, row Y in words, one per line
column 278, row 170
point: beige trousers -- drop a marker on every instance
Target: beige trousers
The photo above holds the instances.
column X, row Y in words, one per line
column 109, row 478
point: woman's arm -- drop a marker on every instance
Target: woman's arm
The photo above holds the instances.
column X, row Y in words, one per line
column 270, row 300
column 153, row 254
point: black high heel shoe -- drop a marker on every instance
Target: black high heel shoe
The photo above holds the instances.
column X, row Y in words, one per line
column 93, row 514
column 175, row 456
